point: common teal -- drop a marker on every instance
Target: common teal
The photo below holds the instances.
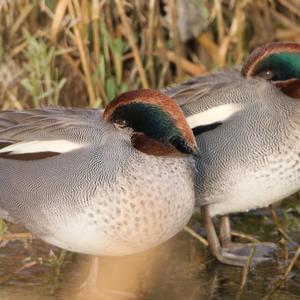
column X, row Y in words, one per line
column 249, row 122
column 100, row 183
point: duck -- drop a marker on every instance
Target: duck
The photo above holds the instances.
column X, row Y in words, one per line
column 99, row 182
column 249, row 122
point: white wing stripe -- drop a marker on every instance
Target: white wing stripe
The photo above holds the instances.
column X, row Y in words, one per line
column 59, row 146
column 213, row 115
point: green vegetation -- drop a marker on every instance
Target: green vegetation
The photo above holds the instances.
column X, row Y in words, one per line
column 84, row 53
column 3, row 227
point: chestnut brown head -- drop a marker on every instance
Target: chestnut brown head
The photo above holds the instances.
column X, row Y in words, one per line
column 158, row 123
column 278, row 63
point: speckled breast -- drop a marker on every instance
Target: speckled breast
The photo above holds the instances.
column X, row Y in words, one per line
column 145, row 207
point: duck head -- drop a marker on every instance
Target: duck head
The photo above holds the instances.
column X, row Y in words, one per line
column 278, row 63
column 158, row 124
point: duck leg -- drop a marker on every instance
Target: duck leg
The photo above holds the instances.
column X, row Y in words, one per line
column 225, row 231
column 233, row 254
column 90, row 286
column 214, row 244
column 225, row 237
column 262, row 250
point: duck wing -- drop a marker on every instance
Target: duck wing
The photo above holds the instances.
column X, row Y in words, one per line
column 207, row 101
column 196, row 88
column 48, row 130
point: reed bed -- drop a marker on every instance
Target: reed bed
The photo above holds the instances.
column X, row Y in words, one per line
column 84, row 53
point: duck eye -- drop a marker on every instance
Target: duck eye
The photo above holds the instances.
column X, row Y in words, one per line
column 121, row 123
column 267, row 75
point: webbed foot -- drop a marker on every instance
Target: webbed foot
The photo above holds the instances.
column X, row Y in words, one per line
column 235, row 254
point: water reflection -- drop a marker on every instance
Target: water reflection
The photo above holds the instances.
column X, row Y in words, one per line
column 180, row 269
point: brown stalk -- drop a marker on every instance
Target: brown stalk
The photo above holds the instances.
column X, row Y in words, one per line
column 150, row 40
column 178, row 45
column 244, row 236
column 278, row 224
column 220, row 20
column 83, row 56
column 74, row 64
column 16, row 236
column 132, row 42
column 84, row 13
column 95, row 27
column 291, row 264
column 286, row 21
column 96, row 46
column 285, row 250
column 279, row 283
column 163, row 72
column 15, row 104
column 288, row 35
column 17, row 49
column 207, row 43
column 291, row 6
column 247, row 267
column 26, row 266
column 227, row 40
column 187, row 65
column 240, row 37
column 49, row 13
column 59, row 14
column 194, row 234
column 20, row 20
column 107, row 21
column 245, row 274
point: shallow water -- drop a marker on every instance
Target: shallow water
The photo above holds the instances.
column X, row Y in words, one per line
column 181, row 269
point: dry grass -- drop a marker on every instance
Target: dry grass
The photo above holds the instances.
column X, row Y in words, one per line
column 83, row 53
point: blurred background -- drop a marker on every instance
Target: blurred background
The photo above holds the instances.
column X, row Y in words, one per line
column 84, row 53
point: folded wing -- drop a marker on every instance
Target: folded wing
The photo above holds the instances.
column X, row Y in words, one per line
column 46, row 132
